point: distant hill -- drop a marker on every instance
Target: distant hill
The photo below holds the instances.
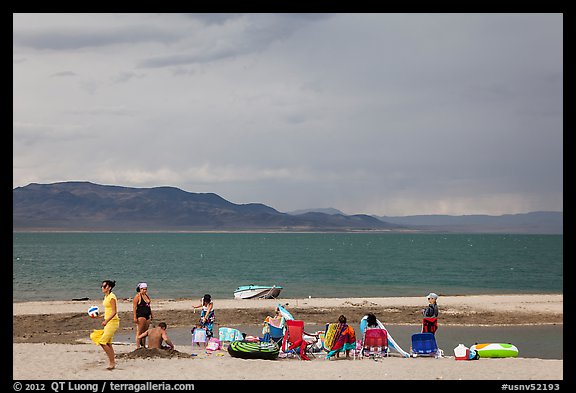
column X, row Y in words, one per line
column 534, row 222
column 327, row 210
column 85, row 206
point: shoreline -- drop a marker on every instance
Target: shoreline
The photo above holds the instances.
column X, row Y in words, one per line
column 50, row 340
column 515, row 303
column 66, row 321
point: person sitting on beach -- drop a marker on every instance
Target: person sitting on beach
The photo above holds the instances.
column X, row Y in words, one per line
column 430, row 313
column 277, row 320
column 343, row 338
column 371, row 321
column 207, row 316
column 157, row 336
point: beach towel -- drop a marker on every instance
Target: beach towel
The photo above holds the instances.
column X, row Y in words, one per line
column 209, row 323
column 229, row 334
column 273, row 325
column 276, row 322
column 330, row 336
column 340, row 338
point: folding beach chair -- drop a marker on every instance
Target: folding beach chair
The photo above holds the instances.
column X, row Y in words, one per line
column 273, row 330
column 424, row 344
column 375, row 343
column 276, row 334
column 294, row 341
column 198, row 336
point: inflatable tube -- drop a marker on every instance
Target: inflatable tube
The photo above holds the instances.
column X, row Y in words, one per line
column 495, row 350
column 253, row 350
column 391, row 343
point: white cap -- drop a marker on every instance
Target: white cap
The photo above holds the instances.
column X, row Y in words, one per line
column 432, row 295
column 142, row 285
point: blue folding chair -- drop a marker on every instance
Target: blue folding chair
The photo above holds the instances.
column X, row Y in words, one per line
column 273, row 333
column 424, row 344
column 276, row 334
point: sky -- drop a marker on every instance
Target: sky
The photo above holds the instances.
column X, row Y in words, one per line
column 382, row 114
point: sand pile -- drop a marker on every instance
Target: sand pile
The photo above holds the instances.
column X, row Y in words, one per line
column 146, row 353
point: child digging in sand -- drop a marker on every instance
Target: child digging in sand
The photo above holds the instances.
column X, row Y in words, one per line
column 157, row 336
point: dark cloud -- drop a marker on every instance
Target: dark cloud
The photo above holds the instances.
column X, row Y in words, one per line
column 221, row 18
column 190, row 58
column 387, row 114
column 65, row 39
column 214, row 18
column 64, row 74
column 254, row 33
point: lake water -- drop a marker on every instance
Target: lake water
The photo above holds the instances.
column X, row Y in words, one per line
column 62, row 266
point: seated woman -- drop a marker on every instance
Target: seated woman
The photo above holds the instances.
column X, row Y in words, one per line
column 274, row 327
column 371, row 321
column 343, row 338
column 277, row 320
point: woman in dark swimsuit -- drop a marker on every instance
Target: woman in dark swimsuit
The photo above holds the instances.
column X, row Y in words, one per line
column 142, row 312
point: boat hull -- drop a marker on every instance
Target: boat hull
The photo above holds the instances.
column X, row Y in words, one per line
column 257, row 292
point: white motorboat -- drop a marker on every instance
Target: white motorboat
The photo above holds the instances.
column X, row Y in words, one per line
column 257, row 292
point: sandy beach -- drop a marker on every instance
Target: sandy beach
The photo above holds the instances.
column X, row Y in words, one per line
column 50, row 340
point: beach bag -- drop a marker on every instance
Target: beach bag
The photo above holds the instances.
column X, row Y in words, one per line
column 213, row 344
column 473, row 355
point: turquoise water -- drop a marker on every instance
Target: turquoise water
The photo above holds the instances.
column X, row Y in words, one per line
column 62, row 266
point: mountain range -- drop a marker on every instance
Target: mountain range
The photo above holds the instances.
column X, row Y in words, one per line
column 541, row 222
column 85, row 206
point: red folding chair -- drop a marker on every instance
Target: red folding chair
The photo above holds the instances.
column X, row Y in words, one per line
column 375, row 342
column 294, row 339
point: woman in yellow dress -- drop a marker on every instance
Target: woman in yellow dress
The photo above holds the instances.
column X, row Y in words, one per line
column 111, row 323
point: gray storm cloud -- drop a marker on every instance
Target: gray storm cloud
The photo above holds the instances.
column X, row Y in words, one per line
column 387, row 114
